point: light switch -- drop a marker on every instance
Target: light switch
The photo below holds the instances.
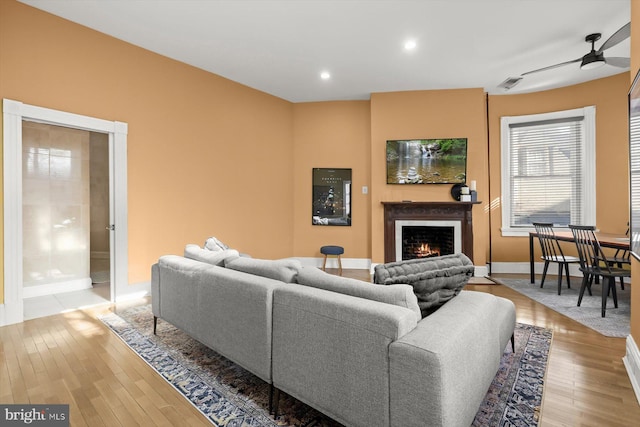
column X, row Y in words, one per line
column 365, row 189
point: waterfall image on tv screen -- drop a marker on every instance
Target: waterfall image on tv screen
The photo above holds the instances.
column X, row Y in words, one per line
column 427, row 161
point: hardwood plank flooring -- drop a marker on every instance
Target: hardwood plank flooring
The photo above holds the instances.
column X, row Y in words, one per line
column 586, row 382
column 73, row 358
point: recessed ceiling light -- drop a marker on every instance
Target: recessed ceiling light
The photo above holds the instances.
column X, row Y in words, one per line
column 410, row 45
column 325, row 75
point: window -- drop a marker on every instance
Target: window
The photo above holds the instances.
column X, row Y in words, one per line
column 634, row 164
column 548, row 170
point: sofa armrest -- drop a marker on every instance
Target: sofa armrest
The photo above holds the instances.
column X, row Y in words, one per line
column 505, row 321
column 330, row 351
column 441, row 371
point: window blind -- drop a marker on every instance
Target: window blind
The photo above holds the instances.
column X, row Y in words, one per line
column 634, row 166
column 546, row 168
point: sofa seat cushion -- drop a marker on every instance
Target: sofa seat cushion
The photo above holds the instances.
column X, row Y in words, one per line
column 284, row 270
column 434, row 280
column 210, row 257
column 397, row 294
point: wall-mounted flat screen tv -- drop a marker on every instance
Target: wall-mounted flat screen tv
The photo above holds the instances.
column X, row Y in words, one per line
column 427, row 161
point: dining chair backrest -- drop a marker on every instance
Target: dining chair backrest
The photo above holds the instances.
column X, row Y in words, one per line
column 548, row 242
column 589, row 250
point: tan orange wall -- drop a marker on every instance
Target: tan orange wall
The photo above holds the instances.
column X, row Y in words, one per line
column 331, row 135
column 456, row 113
column 612, row 153
column 635, row 39
column 206, row 156
column 635, row 66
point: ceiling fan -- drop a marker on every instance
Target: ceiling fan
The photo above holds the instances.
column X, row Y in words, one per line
column 593, row 59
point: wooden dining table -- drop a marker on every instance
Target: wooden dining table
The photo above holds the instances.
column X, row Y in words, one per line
column 607, row 240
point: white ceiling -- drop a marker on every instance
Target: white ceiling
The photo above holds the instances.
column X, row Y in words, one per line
column 281, row 46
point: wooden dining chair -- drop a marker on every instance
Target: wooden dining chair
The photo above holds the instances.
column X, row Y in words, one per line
column 593, row 264
column 620, row 258
column 552, row 252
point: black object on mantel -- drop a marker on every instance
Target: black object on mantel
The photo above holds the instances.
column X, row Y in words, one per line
column 455, row 191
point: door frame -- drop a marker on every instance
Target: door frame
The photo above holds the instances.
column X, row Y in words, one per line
column 14, row 112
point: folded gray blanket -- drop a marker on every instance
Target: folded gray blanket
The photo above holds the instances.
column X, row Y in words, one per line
column 434, row 280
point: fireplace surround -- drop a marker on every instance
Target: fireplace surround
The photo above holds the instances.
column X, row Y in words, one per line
column 445, row 214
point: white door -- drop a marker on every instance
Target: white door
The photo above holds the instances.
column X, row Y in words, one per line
column 14, row 113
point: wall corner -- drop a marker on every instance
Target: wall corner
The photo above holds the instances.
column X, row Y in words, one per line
column 631, row 361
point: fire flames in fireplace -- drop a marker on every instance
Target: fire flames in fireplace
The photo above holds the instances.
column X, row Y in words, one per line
column 425, row 242
column 425, row 250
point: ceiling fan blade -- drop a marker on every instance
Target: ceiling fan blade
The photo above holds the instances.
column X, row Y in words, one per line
column 552, row 66
column 620, row 35
column 618, row 61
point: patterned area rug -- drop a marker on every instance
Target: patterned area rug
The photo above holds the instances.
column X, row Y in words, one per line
column 228, row 395
column 515, row 395
column 614, row 324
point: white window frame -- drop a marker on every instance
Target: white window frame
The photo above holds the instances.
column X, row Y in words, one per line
column 588, row 154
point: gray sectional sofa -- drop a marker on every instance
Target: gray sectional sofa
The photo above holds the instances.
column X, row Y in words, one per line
column 358, row 352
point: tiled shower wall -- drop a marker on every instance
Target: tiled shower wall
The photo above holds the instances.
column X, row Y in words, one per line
column 99, row 175
column 56, row 204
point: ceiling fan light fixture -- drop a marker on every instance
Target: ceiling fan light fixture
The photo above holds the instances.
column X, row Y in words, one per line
column 510, row 82
column 592, row 60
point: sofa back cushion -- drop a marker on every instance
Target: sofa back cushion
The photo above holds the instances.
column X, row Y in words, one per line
column 210, row 257
column 434, row 280
column 226, row 310
column 284, row 270
column 398, row 294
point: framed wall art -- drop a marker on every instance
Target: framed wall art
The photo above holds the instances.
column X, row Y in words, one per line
column 331, row 197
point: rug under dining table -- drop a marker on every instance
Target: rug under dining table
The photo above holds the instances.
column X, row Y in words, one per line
column 614, row 324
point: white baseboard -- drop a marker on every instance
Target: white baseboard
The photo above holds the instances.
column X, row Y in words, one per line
column 481, row 271
column 332, row 262
column 134, row 291
column 523, row 268
column 11, row 313
column 538, row 267
column 56, row 288
column 632, row 362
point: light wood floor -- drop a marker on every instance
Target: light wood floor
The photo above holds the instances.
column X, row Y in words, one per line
column 72, row 358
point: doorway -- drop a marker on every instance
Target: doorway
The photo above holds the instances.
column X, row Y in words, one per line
column 65, row 218
column 114, row 134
